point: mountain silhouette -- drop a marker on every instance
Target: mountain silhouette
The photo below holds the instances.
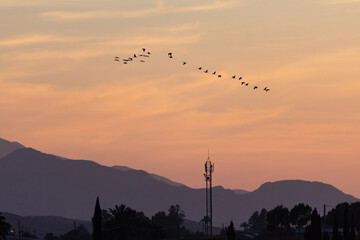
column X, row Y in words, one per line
column 155, row 176
column 34, row 183
column 45, row 224
column 239, row 191
column 7, row 147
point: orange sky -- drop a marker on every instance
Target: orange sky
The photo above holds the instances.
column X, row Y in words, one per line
column 62, row 93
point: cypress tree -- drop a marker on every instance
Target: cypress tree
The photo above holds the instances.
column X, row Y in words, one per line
column 352, row 230
column 346, row 222
column 315, row 226
column 335, row 234
column 97, row 233
column 231, row 231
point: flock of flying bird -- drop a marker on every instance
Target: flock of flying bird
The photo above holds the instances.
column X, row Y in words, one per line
column 145, row 54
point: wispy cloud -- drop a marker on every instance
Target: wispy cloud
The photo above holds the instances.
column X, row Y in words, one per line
column 340, row 1
column 20, row 3
column 180, row 28
column 36, row 39
column 160, row 8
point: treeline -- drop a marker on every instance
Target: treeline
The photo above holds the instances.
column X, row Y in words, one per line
column 122, row 222
column 125, row 223
column 303, row 222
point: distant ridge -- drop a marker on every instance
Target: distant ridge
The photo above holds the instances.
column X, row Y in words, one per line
column 156, row 177
column 7, row 147
column 239, row 191
column 45, row 224
column 68, row 188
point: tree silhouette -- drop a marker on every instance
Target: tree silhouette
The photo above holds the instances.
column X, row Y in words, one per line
column 125, row 223
column 300, row 215
column 313, row 232
column 4, row 227
column 231, row 231
column 346, row 222
column 278, row 218
column 257, row 222
column 96, row 220
column 204, row 221
column 176, row 217
column 352, row 230
column 335, row 234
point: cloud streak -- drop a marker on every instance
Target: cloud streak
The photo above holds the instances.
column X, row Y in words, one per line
column 159, row 9
column 37, row 39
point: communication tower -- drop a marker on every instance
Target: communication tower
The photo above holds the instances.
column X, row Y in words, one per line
column 209, row 169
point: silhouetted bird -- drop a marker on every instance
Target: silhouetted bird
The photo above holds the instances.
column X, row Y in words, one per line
column 130, row 59
column 234, row 76
column 169, row 54
column 125, row 62
column 184, row 63
column 143, row 49
column 240, row 78
column 214, row 73
column 219, row 76
column 146, row 56
column 255, row 87
column 246, row 84
column 148, row 53
column 142, row 61
column 200, row 68
column 242, row 83
column 135, row 55
column 206, row 71
column 267, row 90
column 116, row 59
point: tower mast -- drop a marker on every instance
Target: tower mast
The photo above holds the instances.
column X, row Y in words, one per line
column 209, row 169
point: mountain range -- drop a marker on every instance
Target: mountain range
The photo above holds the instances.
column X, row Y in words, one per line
column 36, row 183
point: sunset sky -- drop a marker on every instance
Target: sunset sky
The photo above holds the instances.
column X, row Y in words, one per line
column 61, row 91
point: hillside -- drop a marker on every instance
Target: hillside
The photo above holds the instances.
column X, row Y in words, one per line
column 45, row 224
column 68, row 188
column 7, row 147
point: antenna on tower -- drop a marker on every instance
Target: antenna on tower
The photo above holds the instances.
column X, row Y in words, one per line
column 209, row 169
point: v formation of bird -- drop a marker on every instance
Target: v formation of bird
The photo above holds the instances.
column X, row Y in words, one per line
column 146, row 54
column 141, row 56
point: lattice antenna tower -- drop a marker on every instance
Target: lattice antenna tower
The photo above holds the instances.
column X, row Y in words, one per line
column 209, row 169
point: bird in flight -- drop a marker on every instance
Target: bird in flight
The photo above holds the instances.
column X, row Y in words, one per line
column 255, row 87
column 200, row 68
column 135, row 55
column 246, row 84
column 116, row 59
column 143, row 49
column 234, row 76
column 148, row 53
column 214, row 73
column 184, row 63
column 242, row 83
column 142, row 61
column 206, row 71
column 219, row 76
column 240, row 78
